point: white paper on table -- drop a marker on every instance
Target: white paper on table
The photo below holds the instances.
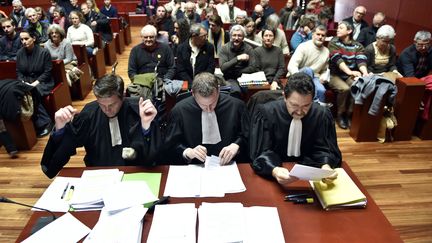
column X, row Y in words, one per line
column 309, row 173
column 65, row 229
column 221, row 222
column 173, row 223
column 126, row 194
column 51, row 198
column 183, row 181
column 257, row 76
column 122, row 226
column 231, row 178
column 263, row 225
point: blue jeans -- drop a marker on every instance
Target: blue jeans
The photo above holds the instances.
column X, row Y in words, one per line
column 319, row 87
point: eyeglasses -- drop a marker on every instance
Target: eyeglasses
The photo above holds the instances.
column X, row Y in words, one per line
column 360, row 13
column 426, row 44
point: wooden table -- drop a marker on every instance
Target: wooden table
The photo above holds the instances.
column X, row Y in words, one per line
column 300, row 222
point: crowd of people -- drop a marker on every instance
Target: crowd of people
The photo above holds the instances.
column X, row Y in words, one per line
column 188, row 41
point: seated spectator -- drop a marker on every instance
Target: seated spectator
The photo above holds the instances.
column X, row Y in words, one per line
column 250, row 31
column 303, row 33
column 285, row 12
column 270, row 59
column 50, row 12
column 92, row 5
column 34, row 67
column 42, row 17
column 207, row 123
column 280, row 37
column 261, row 12
column 200, row 7
column 189, row 14
column 181, row 34
column 11, row 42
column 416, row 60
column 195, row 55
column 228, row 12
column 234, row 58
column 325, row 17
column 36, row 26
column 367, row 35
column 109, row 10
column 357, row 21
column 161, row 36
column 241, row 18
column 217, row 35
column 293, row 129
column 150, row 56
column 209, row 12
column 165, row 23
column 61, row 49
column 79, row 33
column 98, row 22
column 294, row 19
column 381, row 54
column 114, row 131
column 18, row 14
column 59, row 17
column 347, row 61
column 148, row 7
column 314, row 55
column 74, row 7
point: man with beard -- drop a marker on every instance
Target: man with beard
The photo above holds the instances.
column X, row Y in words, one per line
column 314, row 55
column 189, row 13
column 276, row 133
column 195, row 55
column 11, row 42
column 115, row 131
column 150, row 55
column 235, row 58
column 165, row 23
column 98, row 22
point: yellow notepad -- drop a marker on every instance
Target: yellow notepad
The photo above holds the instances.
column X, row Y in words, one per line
column 342, row 193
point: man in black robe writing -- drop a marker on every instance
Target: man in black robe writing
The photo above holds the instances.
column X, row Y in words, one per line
column 114, row 130
column 293, row 129
column 208, row 123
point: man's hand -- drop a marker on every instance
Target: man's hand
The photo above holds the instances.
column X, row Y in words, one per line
column 227, row 153
column 330, row 179
column 243, row 57
column 93, row 23
column 355, row 74
column 199, row 152
column 282, row 176
column 147, row 112
column 63, row 116
column 274, row 85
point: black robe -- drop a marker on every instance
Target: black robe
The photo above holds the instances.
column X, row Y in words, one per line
column 185, row 129
column 90, row 128
column 269, row 138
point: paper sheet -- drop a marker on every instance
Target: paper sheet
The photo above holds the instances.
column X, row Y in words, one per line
column 263, row 225
column 309, row 173
column 51, row 198
column 64, row 229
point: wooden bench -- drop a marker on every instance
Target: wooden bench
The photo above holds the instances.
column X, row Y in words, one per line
column 127, row 30
column 97, row 62
column 119, row 38
column 82, row 87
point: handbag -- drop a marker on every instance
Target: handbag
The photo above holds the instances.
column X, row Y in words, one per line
column 27, row 107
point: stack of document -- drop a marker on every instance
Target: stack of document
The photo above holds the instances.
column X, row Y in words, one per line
column 231, row 222
column 211, row 180
column 342, row 193
column 257, row 78
column 89, row 191
column 118, row 226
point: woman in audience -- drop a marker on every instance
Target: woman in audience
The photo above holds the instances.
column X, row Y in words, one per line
column 92, row 5
column 34, row 66
column 250, row 30
column 61, row 49
column 269, row 58
column 181, row 33
column 280, row 40
column 59, row 17
column 79, row 33
column 381, row 54
column 303, row 33
column 42, row 17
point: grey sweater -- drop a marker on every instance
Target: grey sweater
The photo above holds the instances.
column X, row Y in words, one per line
column 62, row 52
column 271, row 61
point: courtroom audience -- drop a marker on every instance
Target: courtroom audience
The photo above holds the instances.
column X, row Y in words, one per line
column 228, row 12
column 285, row 12
column 18, row 14
column 368, row 35
column 109, row 10
column 240, row 18
column 40, row 28
column 165, row 23
column 357, row 21
column 98, row 23
column 189, row 14
column 250, row 30
column 416, row 59
column 216, row 34
column 280, row 37
column 303, row 33
column 42, row 16
column 79, row 33
column 59, row 17
column 92, row 5
column 261, row 12
column 180, row 35
column 10, row 43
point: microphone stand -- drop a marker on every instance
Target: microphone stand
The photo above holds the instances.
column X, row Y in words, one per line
column 41, row 222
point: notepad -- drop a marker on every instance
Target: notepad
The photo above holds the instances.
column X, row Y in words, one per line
column 342, row 193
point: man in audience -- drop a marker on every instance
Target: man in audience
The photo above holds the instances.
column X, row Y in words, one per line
column 36, row 26
column 416, row 60
column 216, row 34
column 208, row 123
column 367, row 35
column 261, row 12
column 11, row 42
column 347, row 61
column 75, row 6
column 18, row 14
column 114, row 130
column 228, row 12
column 98, row 22
column 276, row 133
column 165, row 22
column 314, row 55
column 357, row 21
column 200, row 6
column 189, row 13
column 195, row 55
column 285, row 12
column 240, row 18
column 303, row 33
column 108, row 9
column 235, row 58
column 149, row 56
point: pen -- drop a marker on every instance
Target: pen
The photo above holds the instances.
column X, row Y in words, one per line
column 304, row 200
column 297, row 195
column 71, row 190
column 64, row 191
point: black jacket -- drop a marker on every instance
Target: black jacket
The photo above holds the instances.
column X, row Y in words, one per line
column 102, row 27
column 367, row 35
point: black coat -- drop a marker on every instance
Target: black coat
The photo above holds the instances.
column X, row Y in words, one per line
column 102, row 27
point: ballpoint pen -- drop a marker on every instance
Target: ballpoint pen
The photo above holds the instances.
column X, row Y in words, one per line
column 64, row 191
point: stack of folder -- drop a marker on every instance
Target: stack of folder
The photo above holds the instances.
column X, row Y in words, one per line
column 342, row 193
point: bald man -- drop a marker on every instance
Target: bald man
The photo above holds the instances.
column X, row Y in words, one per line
column 357, row 21
column 367, row 35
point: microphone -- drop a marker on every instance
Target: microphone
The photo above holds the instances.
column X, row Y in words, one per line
column 41, row 222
